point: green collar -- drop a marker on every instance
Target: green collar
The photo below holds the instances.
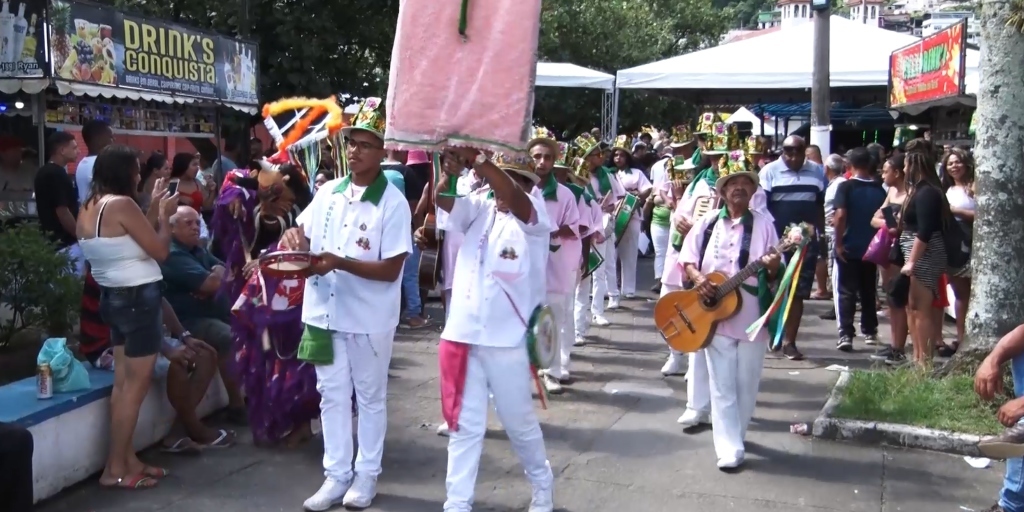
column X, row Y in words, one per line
column 724, row 214
column 550, row 188
column 604, row 182
column 373, row 193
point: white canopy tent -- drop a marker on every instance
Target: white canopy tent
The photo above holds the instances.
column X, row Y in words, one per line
column 745, row 115
column 858, row 56
column 555, row 74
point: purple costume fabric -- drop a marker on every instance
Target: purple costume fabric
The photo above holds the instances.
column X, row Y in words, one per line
column 281, row 390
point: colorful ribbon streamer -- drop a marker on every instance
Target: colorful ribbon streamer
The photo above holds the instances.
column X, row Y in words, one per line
column 783, row 301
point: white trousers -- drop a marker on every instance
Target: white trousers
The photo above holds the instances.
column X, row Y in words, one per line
column 505, row 373
column 626, row 252
column 735, row 369
column 583, row 306
column 660, row 238
column 361, row 362
column 562, row 305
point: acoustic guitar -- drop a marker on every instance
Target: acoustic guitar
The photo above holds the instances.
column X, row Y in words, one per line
column 429, row 268
column 687, row 319
column 430, row 257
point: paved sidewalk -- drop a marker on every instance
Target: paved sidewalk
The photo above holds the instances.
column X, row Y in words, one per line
column 612, row 440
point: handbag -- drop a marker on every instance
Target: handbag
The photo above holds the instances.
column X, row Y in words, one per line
column 879, row 248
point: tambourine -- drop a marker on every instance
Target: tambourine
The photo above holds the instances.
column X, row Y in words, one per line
column 284, row 264
column 542, row 337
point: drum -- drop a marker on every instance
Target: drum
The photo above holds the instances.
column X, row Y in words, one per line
column 283, row 264
column 623, row 213
column 594, row 260
column 542, row 337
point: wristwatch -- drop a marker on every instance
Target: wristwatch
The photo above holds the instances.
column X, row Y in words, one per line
column 184, row 334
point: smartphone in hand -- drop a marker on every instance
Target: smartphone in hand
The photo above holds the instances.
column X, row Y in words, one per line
column 890, row 219
column 172, row 188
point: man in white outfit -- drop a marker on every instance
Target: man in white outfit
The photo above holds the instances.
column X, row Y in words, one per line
column 725, row 241
column 607, row 191
column 360, row 227
column 499, row 282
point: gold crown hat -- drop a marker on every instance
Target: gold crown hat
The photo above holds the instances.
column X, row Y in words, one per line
column 622, row 144
column 541, row 135
column 562, row 158
column 681, row 137
column 722, row 139
column 369, row 118
column 755, row 145
column 519, row 164
column 586, row 144
column 733, row 165
column 707, row 121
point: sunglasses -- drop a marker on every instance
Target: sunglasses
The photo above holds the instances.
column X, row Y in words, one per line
column 792, row 150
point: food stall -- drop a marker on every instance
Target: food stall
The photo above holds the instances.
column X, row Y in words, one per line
column 929, row 86
column 158, row 83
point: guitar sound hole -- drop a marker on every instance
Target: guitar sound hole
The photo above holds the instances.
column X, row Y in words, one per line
column 709, row 303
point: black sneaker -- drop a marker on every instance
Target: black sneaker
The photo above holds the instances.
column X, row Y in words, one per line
column 845, row 344
column 896, row 358
column 871, row 339
column 829, row 315
column 882, row 354
column 790, row 351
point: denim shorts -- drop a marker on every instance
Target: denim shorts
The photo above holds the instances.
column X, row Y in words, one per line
column 135, row 317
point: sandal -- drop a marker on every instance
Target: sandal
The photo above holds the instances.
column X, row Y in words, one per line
column 155, row 472
column 821, row 296
column 183, row 446
column 948, row 350
column 138, row 482
column 226, row 439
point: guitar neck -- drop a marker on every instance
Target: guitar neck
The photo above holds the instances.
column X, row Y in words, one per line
column 745, row 273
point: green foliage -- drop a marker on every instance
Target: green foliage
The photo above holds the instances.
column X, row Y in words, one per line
column 911, row 396
column 37, row 283
column 610, row 35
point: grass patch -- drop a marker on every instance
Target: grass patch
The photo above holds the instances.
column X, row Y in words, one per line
column 912, row 397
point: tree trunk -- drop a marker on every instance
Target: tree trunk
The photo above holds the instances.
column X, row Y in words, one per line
column 997, row 260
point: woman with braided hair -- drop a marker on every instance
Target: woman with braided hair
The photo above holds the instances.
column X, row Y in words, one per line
column 924, row 213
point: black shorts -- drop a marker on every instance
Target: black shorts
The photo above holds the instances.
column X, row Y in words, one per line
column 135, row 317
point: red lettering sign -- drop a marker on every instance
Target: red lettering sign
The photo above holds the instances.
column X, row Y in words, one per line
column 930, row 69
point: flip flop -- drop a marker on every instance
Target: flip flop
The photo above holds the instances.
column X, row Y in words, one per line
column 155, row 472
column 133, row 483
column 226, row 439
column 183, row 446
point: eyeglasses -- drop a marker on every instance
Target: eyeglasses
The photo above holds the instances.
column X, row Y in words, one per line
column 361, row 145
column 792, row 150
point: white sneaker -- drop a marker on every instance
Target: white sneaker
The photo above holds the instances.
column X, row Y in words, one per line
column 692, row 418
column 551, row 384
column 730, row 462
column 613, row 303
column 442, row 429
column 601, row 321
column 362, row 492
column 329, row 495
column 580, row 341
column 542, row 501
column 673, row 366
column 630, row 296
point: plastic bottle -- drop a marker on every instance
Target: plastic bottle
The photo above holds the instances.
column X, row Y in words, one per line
column 20, row 30
column 28, row 52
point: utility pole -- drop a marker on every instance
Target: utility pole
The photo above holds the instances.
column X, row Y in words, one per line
column 243, row 19
column 820, row 103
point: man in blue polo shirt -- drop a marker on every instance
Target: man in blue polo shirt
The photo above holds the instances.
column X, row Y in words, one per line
column 857, row 200
column 796, row 193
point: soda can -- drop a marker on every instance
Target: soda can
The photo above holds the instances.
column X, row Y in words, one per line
column 44, row 382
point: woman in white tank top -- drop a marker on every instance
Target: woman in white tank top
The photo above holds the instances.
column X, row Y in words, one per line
column 124, row 251
column 958, row 180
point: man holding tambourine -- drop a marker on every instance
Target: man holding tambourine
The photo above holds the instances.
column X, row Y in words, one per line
column 358, row 230
column 499, row 286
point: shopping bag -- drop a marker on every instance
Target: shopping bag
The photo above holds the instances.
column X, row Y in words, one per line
column 879, row 248
column 69, row 374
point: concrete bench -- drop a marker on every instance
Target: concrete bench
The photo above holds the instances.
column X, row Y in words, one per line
column 71, row 430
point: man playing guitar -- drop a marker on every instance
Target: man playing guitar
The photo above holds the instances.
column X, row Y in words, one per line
column 726, row 241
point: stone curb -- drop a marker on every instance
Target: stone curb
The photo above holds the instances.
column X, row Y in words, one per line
column 893, row 434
